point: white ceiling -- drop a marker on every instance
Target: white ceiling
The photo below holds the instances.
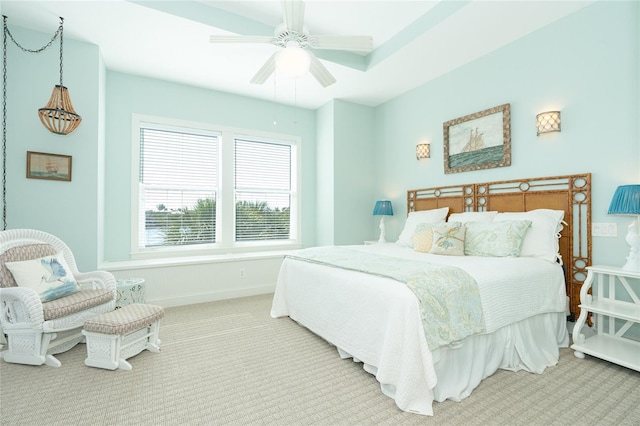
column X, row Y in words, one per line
column 414, row 41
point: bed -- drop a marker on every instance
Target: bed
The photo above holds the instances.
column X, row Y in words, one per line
column 431, row 326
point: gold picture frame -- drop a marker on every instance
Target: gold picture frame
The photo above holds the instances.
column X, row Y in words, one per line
column 41, row 165
column 478, row 141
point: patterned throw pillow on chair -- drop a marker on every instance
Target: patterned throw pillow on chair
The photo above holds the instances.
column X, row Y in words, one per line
column 49, row 276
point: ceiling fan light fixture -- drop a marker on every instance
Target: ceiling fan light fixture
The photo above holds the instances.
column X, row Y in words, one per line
column 293, row 61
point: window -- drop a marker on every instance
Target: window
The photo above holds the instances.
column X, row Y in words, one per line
column 178, row 178
column 202, row 187
column 263, row 190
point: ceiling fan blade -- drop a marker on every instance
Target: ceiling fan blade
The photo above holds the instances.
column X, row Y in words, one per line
column 337, row 42
column 239, row 39
column 267, row 69
column 293, row 14
column 319, row 71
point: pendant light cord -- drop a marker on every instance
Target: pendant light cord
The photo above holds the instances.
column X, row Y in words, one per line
column 7, row 34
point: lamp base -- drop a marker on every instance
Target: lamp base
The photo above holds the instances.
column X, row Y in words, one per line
column 632, row 265
column 382, row 239
column 633, row 239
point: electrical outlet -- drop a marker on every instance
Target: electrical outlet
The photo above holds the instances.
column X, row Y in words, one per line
column 604, row 229
column 241, row 272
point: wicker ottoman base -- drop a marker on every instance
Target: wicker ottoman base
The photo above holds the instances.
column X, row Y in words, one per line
column 114, row 337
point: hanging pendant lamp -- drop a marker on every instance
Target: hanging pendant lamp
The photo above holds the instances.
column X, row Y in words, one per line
column 58, row 116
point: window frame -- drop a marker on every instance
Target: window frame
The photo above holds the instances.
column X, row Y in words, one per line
column 225, row 194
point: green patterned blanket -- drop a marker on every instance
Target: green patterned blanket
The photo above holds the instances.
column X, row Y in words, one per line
column 448, row 296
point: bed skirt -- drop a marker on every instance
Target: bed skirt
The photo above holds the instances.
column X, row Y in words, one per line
column 376, row 321
column 526, row 345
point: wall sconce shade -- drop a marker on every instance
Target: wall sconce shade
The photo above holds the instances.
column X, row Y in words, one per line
column 382, row 208
column 423, row 150
column 548, row 121
column 626, row 201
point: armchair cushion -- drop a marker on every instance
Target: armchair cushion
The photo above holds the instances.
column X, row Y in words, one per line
column 25, row 252
column 76, row 302
column 49, row 276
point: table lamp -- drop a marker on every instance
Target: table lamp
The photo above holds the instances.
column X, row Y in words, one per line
column 382, row 208
column 626, row 201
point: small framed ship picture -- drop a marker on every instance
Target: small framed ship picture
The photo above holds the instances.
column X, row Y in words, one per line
column 478, row 141
column 41, row 165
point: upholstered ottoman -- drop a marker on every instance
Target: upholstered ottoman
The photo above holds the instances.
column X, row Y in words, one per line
column 115, row 336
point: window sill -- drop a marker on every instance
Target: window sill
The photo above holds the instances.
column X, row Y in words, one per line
column 191, row 260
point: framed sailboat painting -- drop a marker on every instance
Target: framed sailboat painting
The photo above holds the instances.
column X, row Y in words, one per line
column 48, row 166
column 478, row 141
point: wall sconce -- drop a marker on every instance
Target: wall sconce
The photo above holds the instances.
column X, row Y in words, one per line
column 423, row 150
column 548, row 121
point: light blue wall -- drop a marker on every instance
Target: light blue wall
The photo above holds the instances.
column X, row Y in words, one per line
column 325, row 167
column 353, row 175
column 586, row 65
column 344, row 192
column 129, row 94
column 70, row 210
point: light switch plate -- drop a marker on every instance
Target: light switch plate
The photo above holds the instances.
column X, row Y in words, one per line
column 601, row 229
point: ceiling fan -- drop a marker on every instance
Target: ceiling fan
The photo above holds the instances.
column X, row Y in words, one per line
column 296, row 42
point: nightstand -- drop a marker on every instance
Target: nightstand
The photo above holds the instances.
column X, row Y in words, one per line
column 614, row 315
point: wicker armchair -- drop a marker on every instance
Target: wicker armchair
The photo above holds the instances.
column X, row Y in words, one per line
column 35, row 330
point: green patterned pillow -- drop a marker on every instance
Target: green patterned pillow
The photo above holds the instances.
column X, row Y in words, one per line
column 448, row 239
column 497, row 239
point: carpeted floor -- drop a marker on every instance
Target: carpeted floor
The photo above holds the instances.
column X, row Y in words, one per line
column 229, row 362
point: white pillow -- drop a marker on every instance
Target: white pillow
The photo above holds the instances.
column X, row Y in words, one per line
column 416, row 218
column 49, row 276
column 541, row 240
column 472, row 217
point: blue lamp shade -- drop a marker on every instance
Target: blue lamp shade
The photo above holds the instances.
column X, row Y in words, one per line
column 383, row 208
column 626, row 200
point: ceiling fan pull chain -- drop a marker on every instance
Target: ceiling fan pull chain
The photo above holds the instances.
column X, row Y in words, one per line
column 295, row 101
column 275, row 105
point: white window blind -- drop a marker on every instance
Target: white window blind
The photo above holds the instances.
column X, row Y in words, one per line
column 178, row 186
column 263, row 190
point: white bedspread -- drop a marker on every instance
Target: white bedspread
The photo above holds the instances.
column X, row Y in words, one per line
column 376, row 320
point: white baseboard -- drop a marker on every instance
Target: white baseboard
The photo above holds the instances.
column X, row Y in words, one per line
column 190, row 299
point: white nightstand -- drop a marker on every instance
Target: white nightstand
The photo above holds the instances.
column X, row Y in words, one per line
column 609, row 342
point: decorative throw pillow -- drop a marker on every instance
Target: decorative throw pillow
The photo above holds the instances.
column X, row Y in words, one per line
column 498, row 239
column 423, row 237
column 49, row 276
column 416, row 218
column 448, row 239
